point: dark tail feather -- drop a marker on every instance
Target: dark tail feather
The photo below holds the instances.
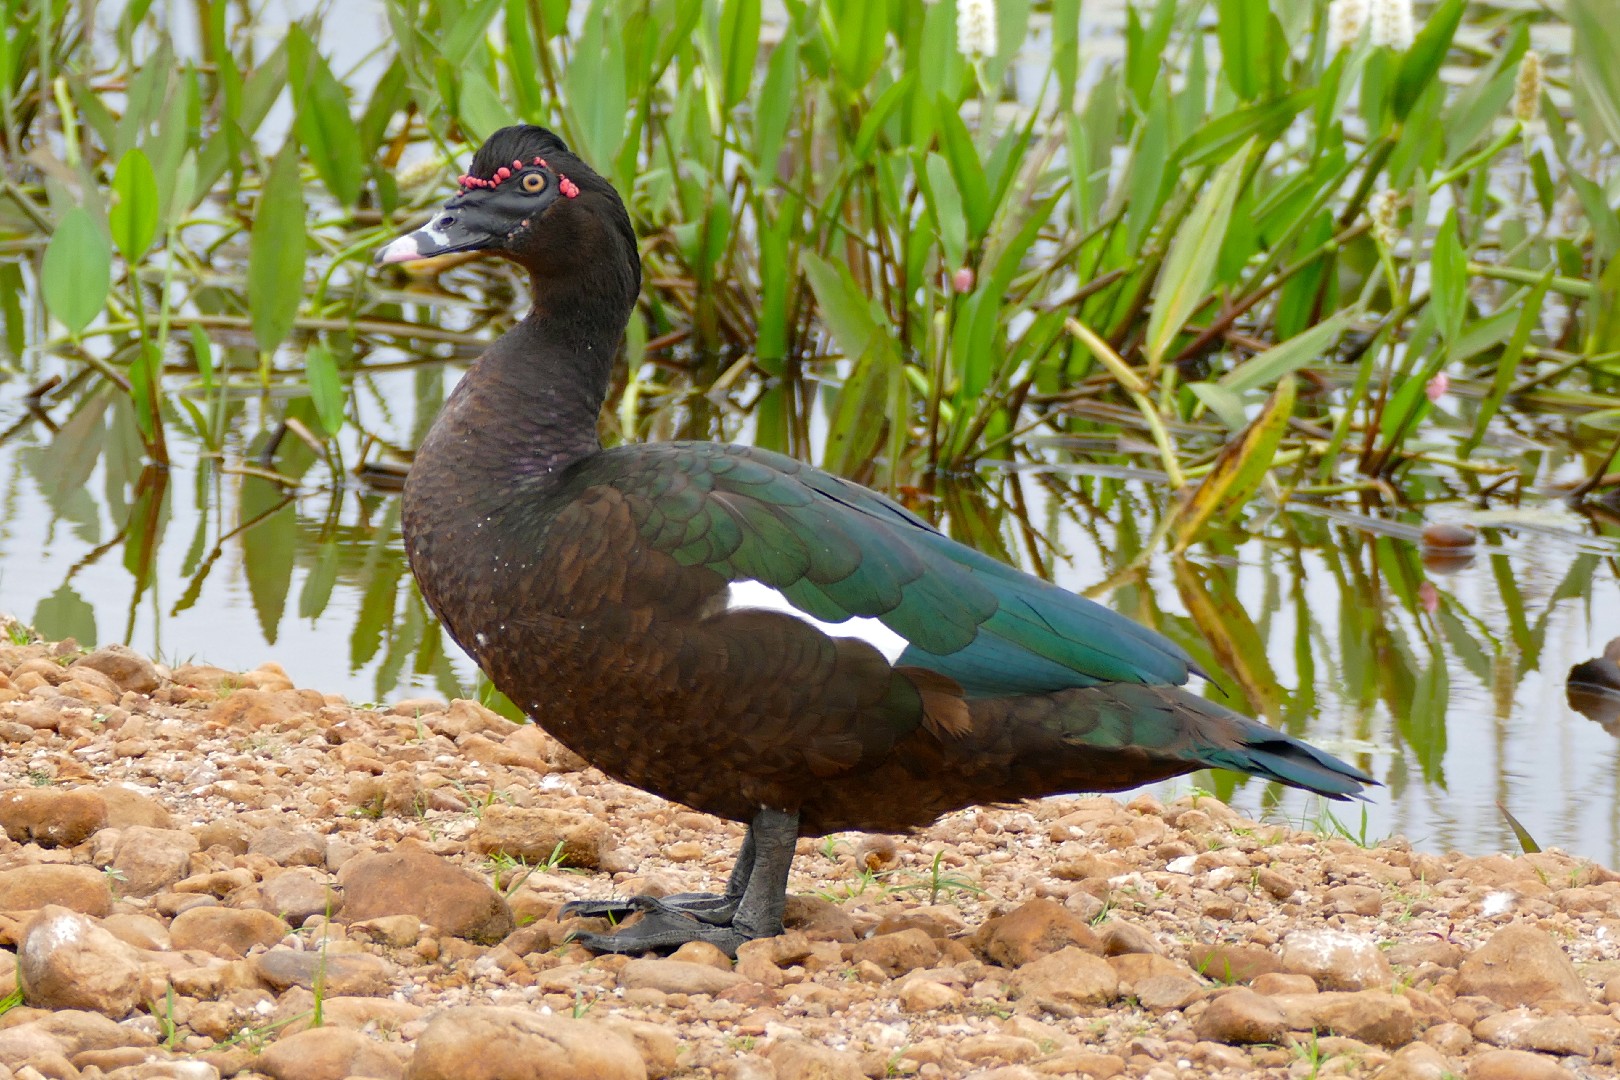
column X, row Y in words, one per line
column 1268, row 753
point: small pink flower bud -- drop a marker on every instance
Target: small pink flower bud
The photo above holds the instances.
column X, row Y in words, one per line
column 962, row 280
column 1436, row 387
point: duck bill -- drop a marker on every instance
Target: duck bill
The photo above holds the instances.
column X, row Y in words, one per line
column 435, row 238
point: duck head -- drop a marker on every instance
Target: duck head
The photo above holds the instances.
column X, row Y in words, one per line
column 528, row 199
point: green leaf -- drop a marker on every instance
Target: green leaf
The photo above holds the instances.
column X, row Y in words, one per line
column 133, row 217
column 276, row 252
column 966, row 167
column 325, row 386
column 1238, row 470
column 66, row 614
column 1423, row 60
column 1244, row 29
column 1189, row 266
column 774, row 108
column 1448, row 276
column 850, row 314
column 739, row 47
column 946, row 204
column 1288, row 356
column 323, row 122
column 1596, row 78
column 77, row 270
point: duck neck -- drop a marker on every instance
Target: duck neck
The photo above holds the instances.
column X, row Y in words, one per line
column 528, row 408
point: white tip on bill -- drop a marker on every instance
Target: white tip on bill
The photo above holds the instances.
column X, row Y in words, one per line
column 402, row 250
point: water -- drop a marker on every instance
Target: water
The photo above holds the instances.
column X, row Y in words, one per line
column 1447, row 686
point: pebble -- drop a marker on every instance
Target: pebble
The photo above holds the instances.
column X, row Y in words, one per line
column 411, row 880
column 328, row 1053
column 480, row 1042
column 66, row 961
column 535, row 834
column 1521, row 965
column 148, row 860
column 677, row 977
column 1336, row 959
column 1066, row 981
column 898, row 952
column 795, row 1059
column 223, row 931
column 289, row 847
column 52, row 817
column 1031, row 931
column 1515, row 1065
column 338, row 973
column 1242, row 1016
column 81, row 888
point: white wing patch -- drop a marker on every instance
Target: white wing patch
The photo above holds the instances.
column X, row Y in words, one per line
column 753, row 594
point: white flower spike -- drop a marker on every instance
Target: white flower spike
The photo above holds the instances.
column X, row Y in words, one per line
column 1345, row 20
column 976, row 28
column 1390, row 22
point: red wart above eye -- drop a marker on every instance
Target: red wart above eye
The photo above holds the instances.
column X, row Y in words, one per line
column 467, row 181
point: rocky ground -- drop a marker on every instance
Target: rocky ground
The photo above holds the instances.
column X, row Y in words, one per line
column 209, row 873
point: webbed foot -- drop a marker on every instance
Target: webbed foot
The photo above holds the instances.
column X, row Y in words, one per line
column 662, row 930
column 711, row 908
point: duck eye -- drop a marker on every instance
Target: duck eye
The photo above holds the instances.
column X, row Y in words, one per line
column 534, row 182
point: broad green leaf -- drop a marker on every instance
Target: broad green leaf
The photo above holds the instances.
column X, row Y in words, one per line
column 1189, row 266
column 739, row 47
column 77, row 270
column 1596, row 78
column 946, row 203
column 277, row 251
column 481, row 110
column 849, row 312
column 145, row 375
column 325, row 386
column 1448, row 277
column 324, row 125
column 1244, row 28
column 967, row 168
column 133, row 216
column 1238, row 470
column 878, row 115
column 1422, row 62
column 774, row 108
column 1288, row 356
column 1222, row 402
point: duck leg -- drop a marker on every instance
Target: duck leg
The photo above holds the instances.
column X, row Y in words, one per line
column 750, row 908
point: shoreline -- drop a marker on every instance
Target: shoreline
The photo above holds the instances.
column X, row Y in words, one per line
column 198, row 862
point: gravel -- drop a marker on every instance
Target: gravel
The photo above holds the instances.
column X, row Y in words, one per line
column 208, row 873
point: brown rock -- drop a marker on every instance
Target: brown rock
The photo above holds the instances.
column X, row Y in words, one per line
column 1242, row 1016
column 255, row 709
column 1066, row 981
column 488, row 1043
column 328, row 1053
column 1521, row 965
column 378, row 1013
column 1373, row 1016
column 818, row 918
column 533, row 834
column 1032, row 931
column 795, row 1059
column 1120, row 938
column 1229, row 963
column 1419, row 1061
column 81, row 1031
column 1355, row 900
column 52, row 817
column 80, row 888
column 223, row 931
column 298, row 893
column 677, row 977
column 1523, row 1029
column 411, row 880
column 1279, row 982
column 128, row 805
column 926, row 995
column 148, row 860
column 124, row 666
column 289, row 847
column 1164, row 993
column 660, row 1050
column 899, row 952
column 68, row 962
column 1085, row 1063
column 342, row 974
column 1515, row 1065
column 1336, row 959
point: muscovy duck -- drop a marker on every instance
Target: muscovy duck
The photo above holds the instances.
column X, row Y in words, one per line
column 737, row 631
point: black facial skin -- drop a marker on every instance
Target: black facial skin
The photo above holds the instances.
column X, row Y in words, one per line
column 484, row 218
